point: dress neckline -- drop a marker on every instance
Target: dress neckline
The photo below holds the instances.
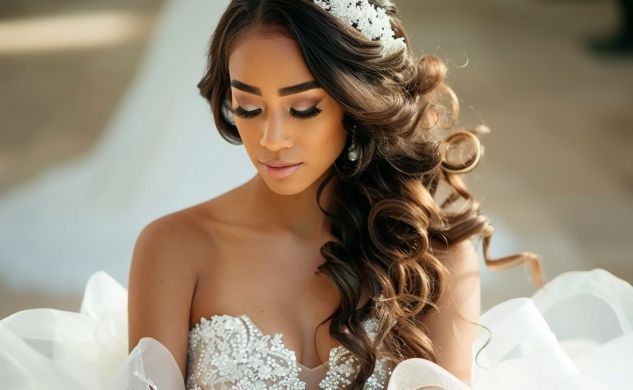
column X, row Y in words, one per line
column 320, row 366
column 246, row 318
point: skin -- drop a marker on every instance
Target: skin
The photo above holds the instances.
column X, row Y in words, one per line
column 450, row 328
column 287, row 203
column 254, row 249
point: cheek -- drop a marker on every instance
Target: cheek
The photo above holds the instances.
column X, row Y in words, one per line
column 327, row 140
column 335, row 135
column 336, row 141
column 248, row 134
column 327, row 136
column 247, row 130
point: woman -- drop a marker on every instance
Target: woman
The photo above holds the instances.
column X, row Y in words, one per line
column 340, row 264
column 324, row 114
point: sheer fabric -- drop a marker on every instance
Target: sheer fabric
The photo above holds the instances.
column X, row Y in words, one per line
column 575, row 333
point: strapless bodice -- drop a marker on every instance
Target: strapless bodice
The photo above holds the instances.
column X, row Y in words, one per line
column 232, row 352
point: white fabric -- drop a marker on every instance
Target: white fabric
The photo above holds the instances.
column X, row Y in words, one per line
column 159, row 152
column 575, row 333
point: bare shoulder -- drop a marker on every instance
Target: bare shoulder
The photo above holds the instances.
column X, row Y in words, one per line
column 452, row 328
column 178, row 237
column 463, row 279
column 461, row 253
column 163, row 278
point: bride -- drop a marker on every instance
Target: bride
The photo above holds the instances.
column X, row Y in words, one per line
column 344, row 261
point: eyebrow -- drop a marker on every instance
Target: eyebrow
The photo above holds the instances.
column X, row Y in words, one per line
column 282, row 91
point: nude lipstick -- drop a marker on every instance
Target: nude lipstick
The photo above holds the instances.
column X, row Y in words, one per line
column 280, row 169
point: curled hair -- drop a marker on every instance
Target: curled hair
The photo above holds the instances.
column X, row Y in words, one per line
column 388, row 219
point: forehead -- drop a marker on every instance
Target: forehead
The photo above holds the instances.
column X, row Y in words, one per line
column 267, row 60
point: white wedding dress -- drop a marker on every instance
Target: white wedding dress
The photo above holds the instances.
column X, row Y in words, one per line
column 574, row 333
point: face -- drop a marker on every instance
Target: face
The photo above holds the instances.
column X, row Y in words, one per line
column 281, row 112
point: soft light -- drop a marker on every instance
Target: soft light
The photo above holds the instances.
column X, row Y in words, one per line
column 68, row 32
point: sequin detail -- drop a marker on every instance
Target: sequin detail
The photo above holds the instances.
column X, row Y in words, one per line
column 228, row 352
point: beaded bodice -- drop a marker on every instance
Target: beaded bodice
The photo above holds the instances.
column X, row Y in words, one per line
column 229, row 352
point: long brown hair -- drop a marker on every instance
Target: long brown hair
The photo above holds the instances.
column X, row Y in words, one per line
column 387, row 213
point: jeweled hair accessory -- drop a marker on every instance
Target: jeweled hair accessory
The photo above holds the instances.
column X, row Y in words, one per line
column 371, row 21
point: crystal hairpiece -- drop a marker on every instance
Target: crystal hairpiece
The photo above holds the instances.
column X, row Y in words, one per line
column 371, row 21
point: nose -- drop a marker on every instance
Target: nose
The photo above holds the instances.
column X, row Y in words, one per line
column 276, row 135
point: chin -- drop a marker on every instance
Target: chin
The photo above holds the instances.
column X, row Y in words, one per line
column 291, row 185
column 287, row 187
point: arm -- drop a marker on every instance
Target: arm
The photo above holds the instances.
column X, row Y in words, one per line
column 449, row 329
column 161, row 286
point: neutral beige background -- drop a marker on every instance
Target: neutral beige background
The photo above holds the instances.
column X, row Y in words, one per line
column 558, row 166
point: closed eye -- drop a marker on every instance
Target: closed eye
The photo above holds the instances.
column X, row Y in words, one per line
column 242, row 113
column 305, row 114
column 312, row 112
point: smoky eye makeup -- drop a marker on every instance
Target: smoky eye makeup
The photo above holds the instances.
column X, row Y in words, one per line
column 245, row 114
column 305, row 114
column 298, row 114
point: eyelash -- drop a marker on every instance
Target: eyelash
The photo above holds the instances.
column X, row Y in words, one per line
column 307, row 114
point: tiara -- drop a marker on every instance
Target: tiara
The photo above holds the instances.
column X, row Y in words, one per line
column 371, row 21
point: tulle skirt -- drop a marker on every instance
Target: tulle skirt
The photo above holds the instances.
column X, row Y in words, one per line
column 574, row 333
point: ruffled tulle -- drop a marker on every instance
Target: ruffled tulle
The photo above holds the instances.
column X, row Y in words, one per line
column 574, row 333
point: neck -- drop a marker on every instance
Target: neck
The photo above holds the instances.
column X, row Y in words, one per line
column 296, row 214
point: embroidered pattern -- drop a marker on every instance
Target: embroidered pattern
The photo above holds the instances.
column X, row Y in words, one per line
column 228, row 352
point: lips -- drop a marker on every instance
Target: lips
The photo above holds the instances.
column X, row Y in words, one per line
column 279, row 163
column 282, row 170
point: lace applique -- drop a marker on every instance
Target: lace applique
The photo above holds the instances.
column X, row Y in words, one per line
column 343, row 366
column 230, row 353
column 227, row 352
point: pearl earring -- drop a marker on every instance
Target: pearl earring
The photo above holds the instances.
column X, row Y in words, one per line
column 352, row 153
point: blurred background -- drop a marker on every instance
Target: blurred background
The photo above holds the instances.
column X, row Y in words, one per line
column 102, row 131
